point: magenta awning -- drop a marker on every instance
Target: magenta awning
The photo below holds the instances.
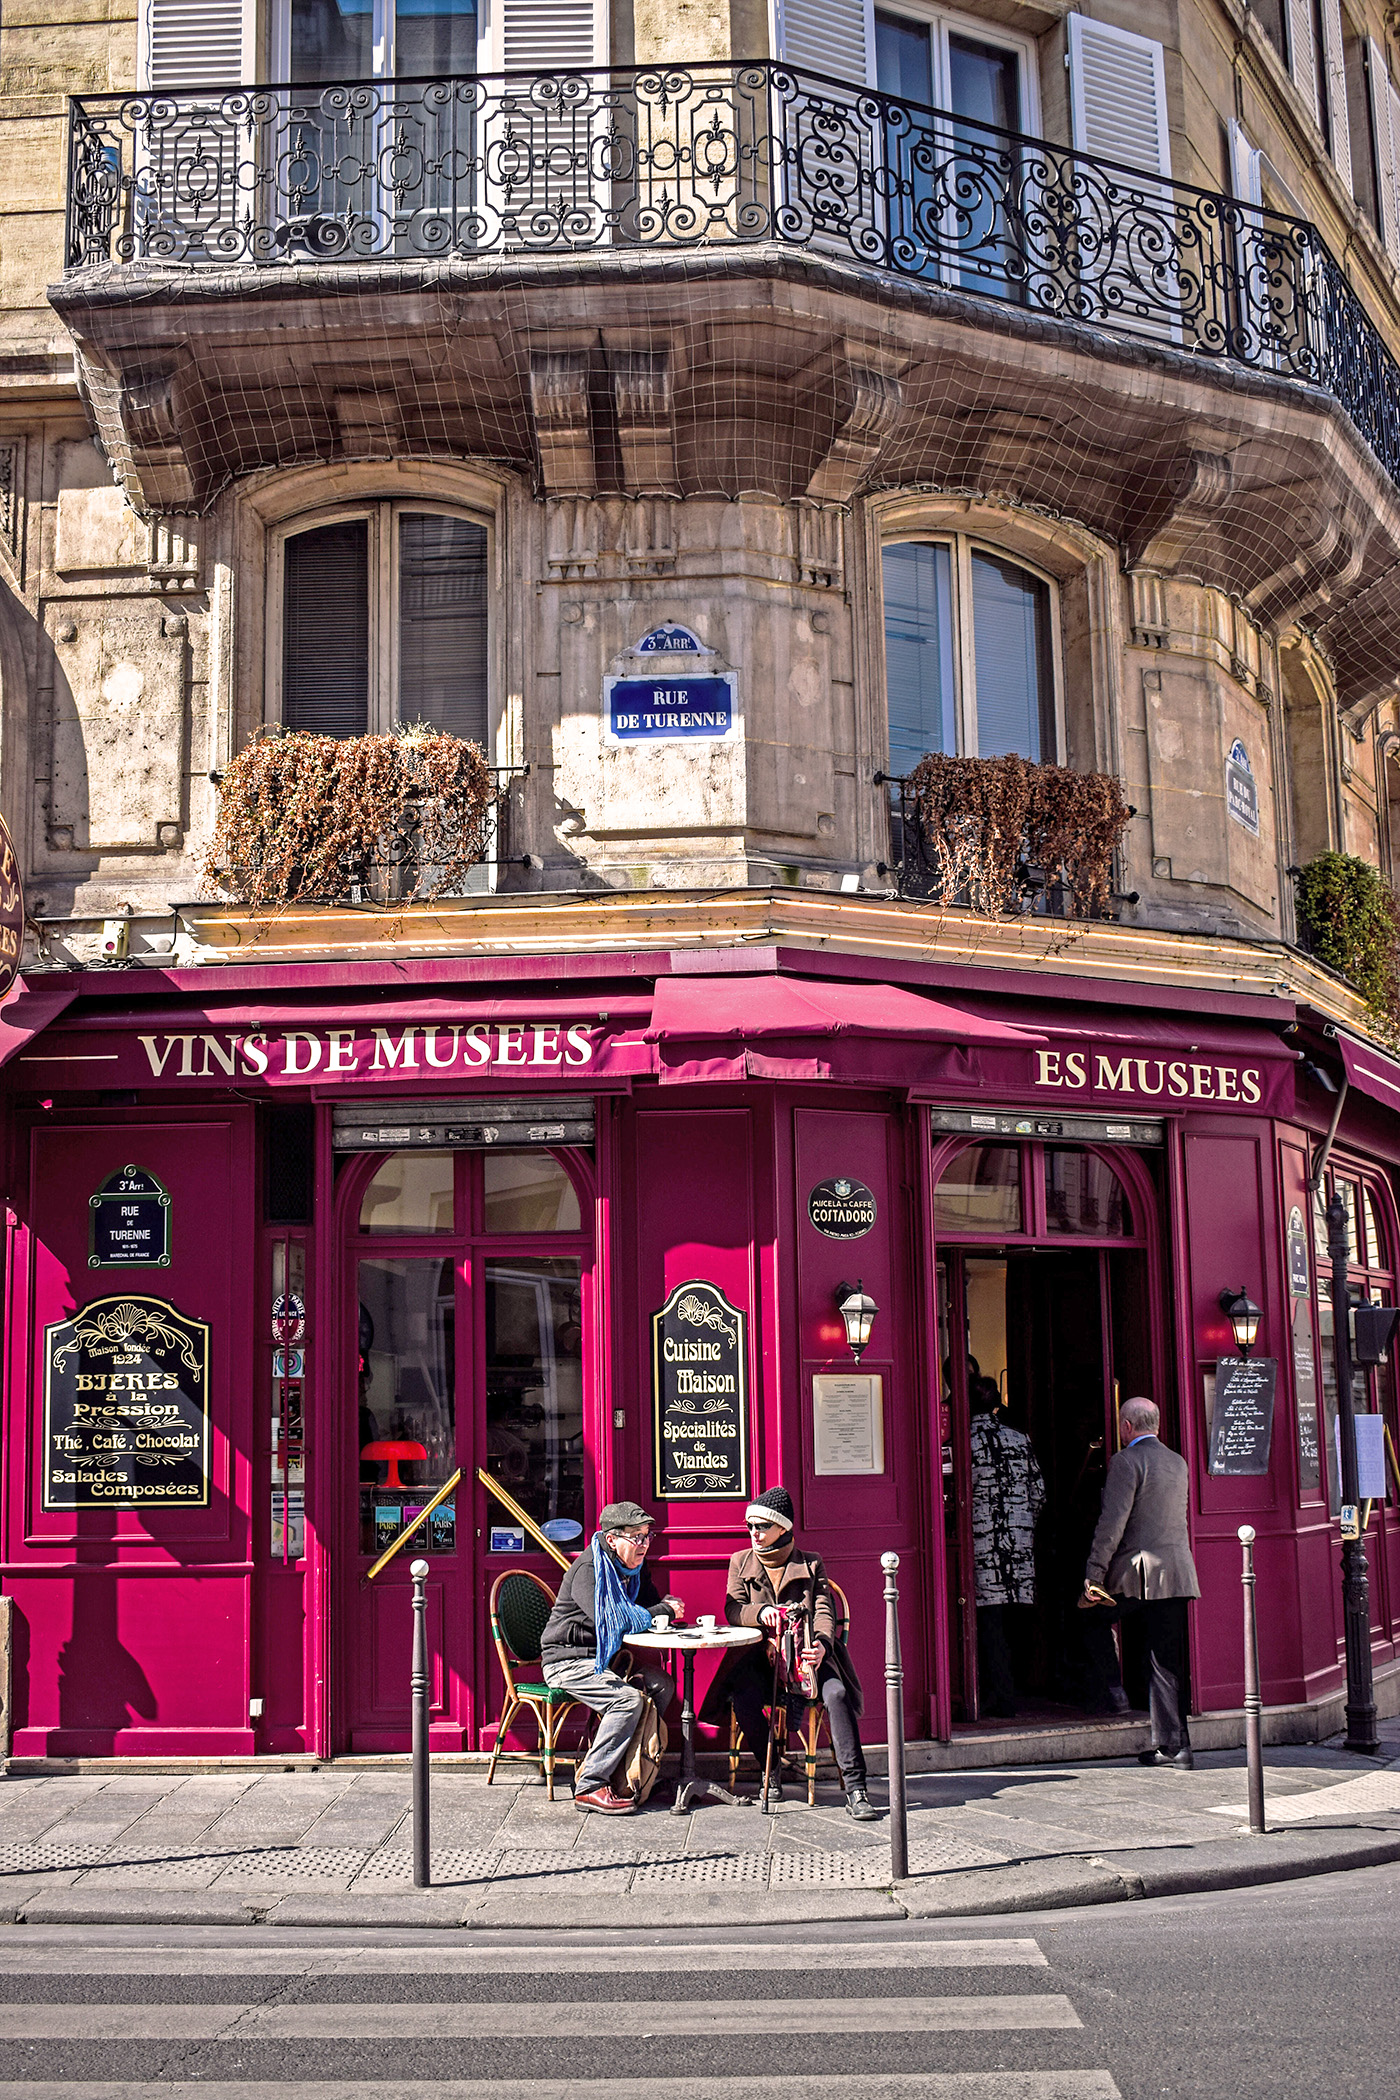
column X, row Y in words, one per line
column 28, row 1007
column 1371, row 1072
column 764, row 1022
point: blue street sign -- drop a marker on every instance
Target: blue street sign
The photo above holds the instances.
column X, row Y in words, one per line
column 640, row 710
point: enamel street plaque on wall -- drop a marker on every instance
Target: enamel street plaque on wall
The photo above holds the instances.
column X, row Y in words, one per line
column 669, row 688
column 130, row 1222
column 700, row 1396
column 126, row 1408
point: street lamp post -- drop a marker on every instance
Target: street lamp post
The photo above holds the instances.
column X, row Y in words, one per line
column 1356, row 1587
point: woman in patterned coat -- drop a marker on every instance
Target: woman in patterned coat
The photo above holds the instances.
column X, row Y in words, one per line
column 1008, row 1494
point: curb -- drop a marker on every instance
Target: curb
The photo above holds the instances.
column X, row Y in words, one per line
column 1068, row 1882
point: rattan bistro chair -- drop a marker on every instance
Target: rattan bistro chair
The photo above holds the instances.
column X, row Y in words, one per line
column 521, row 1602
column 813, row 1720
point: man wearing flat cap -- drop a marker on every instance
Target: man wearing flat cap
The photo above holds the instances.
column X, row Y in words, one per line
column 770, row 1573
column 606, row 1594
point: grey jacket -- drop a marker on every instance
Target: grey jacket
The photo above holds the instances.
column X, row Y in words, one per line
column 1142, row 1546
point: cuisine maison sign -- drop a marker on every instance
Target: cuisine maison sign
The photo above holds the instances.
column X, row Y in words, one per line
column 382, row 1054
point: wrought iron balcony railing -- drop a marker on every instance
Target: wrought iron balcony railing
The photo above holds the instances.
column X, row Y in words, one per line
column 708, row 156
column 1031, row 891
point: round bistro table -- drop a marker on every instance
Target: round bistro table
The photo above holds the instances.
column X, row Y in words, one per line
column 688, row 1641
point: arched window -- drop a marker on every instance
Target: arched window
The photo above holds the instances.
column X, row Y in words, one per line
column 383, row 618
column 970, row 653
column 1038, row 1192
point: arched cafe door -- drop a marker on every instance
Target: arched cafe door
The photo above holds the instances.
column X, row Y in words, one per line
column 467, row 1283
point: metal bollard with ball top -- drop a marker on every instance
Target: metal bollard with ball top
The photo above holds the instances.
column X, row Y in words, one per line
column 422, row 1858
column 894, row 1720
column 1253, row 1704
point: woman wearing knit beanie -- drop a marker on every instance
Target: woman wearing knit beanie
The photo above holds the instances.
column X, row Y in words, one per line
column 770, row 1571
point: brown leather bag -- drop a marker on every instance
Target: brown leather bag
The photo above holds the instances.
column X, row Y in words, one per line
column 639, row 1767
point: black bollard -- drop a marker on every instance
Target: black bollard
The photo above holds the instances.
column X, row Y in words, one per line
column 422, row 1855
column 894, row 1722
column 1253, row 1704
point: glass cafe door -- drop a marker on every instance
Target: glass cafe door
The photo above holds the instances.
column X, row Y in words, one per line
column 469, row 1278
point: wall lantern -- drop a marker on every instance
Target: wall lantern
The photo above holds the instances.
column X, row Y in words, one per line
column 1243, row 1314
column 858, row 1311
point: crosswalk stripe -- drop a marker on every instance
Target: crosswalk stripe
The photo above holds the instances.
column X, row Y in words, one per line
column 916, row 2085
column 552, row 2018
column 741, row 1956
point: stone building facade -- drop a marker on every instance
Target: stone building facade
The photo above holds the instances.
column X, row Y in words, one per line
column 708, row 409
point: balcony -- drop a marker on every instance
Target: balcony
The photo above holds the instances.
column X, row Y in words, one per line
column 728, row 279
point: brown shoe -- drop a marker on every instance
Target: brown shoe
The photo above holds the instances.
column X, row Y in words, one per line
column 602, row 1801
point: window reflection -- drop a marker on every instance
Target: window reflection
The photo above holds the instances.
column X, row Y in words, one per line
column 528, row 1192
column 407, row 1397
column 1375, row 1235
column 412, row 1192
column 534, row 1383
column 1083, row 1194
column 980, row 1191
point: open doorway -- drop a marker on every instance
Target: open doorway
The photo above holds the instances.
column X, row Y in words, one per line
column 1046, row 1338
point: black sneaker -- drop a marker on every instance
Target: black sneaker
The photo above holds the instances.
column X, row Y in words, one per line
column 769, row 1796
column 860, row 1806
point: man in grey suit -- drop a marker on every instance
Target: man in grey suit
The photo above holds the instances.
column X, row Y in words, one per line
column 1141, row 1562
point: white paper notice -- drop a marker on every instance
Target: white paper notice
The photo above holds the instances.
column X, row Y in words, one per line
column 849, row 1424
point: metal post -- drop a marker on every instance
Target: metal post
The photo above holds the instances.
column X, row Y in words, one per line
column 422, row 1855
column 1356, row 1588
column 1253, row 1704
column 894, row 1722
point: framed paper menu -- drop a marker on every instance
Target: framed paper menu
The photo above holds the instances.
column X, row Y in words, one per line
column 848, row 1416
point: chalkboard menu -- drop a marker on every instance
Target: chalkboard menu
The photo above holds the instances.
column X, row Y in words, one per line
column 1242, row 1425
column 126, row 1408
column 130, row 1221
column 700, row 1395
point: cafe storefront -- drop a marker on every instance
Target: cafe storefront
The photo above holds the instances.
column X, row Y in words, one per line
column 287, row 1251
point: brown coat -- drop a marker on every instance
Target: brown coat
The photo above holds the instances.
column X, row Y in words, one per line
column 750, row 1586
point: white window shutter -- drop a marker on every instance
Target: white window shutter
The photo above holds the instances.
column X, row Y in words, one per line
column 835, row 37
column 547, row 36
column 1246, row 178
column 1334, row 86
column 1118, row 95
column 1302, row 59
column 1384, row 135
column 197, row 43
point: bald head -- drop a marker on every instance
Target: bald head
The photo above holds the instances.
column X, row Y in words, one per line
column 1139, row 1417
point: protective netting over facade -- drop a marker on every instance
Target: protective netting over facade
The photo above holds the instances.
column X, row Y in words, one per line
column 734, row 280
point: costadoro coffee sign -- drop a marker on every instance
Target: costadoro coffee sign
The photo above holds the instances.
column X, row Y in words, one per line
column 126, row 1407
column 1186, row 1077
column 700, row 1395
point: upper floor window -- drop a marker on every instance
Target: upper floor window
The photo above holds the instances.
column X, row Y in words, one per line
column 945, row 63
column 969, row 653
column 384, row 620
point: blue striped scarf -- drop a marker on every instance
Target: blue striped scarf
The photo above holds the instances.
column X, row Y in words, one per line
column 616, row 1612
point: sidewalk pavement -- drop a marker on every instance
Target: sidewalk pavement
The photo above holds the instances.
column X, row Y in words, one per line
column 332, row 1845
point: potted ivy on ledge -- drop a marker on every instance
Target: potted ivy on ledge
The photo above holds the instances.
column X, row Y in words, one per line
column 1349, row 918
column 306, row 819
column 1000, row 834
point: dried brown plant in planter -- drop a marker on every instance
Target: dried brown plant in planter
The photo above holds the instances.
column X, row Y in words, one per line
column 985, row 819
column 306, row 819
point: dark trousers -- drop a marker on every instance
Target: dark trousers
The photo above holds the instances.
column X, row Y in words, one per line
column 750, row 1689
column 1157, row 1627
column 996, row 1678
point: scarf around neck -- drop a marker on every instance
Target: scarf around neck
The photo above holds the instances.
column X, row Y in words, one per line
column 775, row 1557
column 616, row 1612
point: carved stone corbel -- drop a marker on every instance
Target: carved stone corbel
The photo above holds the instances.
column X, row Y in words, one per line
column 1329, row 554
column 1171, row 513
column 563, row 425
column 870, row 401
column 149, row 411
column 646, row 430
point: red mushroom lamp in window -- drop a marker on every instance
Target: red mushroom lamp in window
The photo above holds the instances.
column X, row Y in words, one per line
column 392, row 1451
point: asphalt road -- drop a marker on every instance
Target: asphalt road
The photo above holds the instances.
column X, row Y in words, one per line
column 1263, row 1992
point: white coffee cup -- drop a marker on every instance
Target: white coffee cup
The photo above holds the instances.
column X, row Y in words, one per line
column 660, row 1620
column 706, row 1622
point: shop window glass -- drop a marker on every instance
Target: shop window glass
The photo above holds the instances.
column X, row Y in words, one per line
column 407, row 1398
column 1347, row 1191
column 1083, row 1194
column 412, row 1192
column 1376, row 1253
column 528, row 1192
column 534, row 1383
column 980, row 1191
